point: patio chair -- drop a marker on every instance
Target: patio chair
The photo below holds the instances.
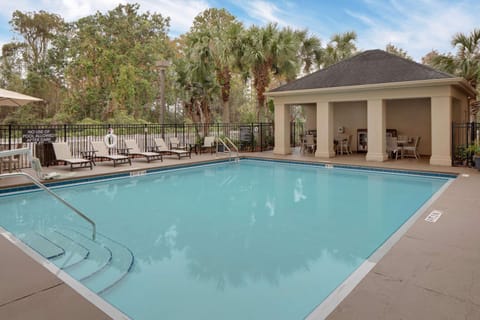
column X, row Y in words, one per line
column 37, row 167
column 343, row 143
column 134, row 151
column 175, row 144
column 63, row 153
column 393, row 149
column 309, row 143
column 208, row 144
column 411, row 150
column 161, row 147
column 101, row 152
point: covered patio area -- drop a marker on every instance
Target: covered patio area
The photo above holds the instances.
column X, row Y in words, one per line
column 369, row 97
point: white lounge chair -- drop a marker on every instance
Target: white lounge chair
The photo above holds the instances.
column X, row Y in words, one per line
column 208, row 143
column 134, row 150
column 63, row 153
column 175, row 144
column 161, row 147
column 101, row 152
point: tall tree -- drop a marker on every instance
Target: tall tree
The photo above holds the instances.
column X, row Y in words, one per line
column 310, row 50
column 465, row 63
column 38, row 29
column 214, row 37
column 27, row 59
column 269, row 51
column 390, row 48
column 340, row 47
column 195, row 79
column 113, row 58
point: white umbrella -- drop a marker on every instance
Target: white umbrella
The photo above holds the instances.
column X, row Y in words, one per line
column 15, row 99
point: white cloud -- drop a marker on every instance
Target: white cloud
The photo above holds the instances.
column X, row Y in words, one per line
column 415, row 26
column 265, row 12
column 181, row 13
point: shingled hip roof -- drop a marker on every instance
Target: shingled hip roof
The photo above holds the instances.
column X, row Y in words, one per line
column 368, row 67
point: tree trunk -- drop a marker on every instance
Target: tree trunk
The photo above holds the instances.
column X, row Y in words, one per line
column 226, row 112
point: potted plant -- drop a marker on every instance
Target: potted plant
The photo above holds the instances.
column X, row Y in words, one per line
column 460, row 156
column 474, row 152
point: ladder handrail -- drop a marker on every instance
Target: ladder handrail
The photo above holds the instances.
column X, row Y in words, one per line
column 226, row 146
column 233, row 144
column 56, row 196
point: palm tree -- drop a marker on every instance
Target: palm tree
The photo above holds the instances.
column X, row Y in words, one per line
column 269, row 51
column 340, row 47
column 310, row 50
column 214, row 35
column 468, row 53
column 465, row 63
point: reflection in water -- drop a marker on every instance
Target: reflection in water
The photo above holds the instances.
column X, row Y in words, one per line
column 204, row 249
column 270, row 205
column 298, row 194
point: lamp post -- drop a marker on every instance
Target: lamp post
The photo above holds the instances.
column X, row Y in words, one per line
column 161, row 66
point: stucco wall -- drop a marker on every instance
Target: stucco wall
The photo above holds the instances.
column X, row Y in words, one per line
column 459, row 111
column 351, row 115
column 310, row 117
column 412, row 117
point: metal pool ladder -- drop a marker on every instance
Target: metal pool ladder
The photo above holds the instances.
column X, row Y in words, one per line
column 45, row 188
column 229, row 145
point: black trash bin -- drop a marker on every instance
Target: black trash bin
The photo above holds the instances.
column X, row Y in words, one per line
column 44, row 152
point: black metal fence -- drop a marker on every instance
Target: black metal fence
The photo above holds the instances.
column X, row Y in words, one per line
column 296, row 131
column 464, row 136
column 249, row 137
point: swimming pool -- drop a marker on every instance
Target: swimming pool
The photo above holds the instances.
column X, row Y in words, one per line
column 248, row 240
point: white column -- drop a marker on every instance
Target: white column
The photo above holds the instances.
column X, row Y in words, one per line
column 282, row 129
column 325, row 130
column 441, row 113
column 376, row 120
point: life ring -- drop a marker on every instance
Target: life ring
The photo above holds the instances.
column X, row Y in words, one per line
column 110, row 140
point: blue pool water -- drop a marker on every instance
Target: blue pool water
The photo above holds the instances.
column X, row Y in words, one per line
column 251, row 240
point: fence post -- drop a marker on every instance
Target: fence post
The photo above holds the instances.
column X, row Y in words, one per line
column 252, row 142
column 261, row 136
column 65, row 132
column 145, row 131
column 472, row 132
column 9, row 137
column 453, row 145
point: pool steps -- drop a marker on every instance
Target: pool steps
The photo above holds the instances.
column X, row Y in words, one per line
column 99, row 264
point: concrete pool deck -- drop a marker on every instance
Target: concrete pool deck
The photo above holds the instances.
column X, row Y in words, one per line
column 432, row 272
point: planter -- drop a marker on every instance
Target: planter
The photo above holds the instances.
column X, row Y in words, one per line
column 477, row 162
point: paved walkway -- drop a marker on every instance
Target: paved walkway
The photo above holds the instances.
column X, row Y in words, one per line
column 433, row 272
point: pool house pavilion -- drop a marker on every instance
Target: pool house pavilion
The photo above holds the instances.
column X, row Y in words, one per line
column 374, row 92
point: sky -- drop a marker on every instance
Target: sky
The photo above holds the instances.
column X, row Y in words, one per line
column 416, row 26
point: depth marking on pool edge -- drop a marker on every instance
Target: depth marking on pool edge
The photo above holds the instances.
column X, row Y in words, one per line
column 433, row 216
column 138, row 173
